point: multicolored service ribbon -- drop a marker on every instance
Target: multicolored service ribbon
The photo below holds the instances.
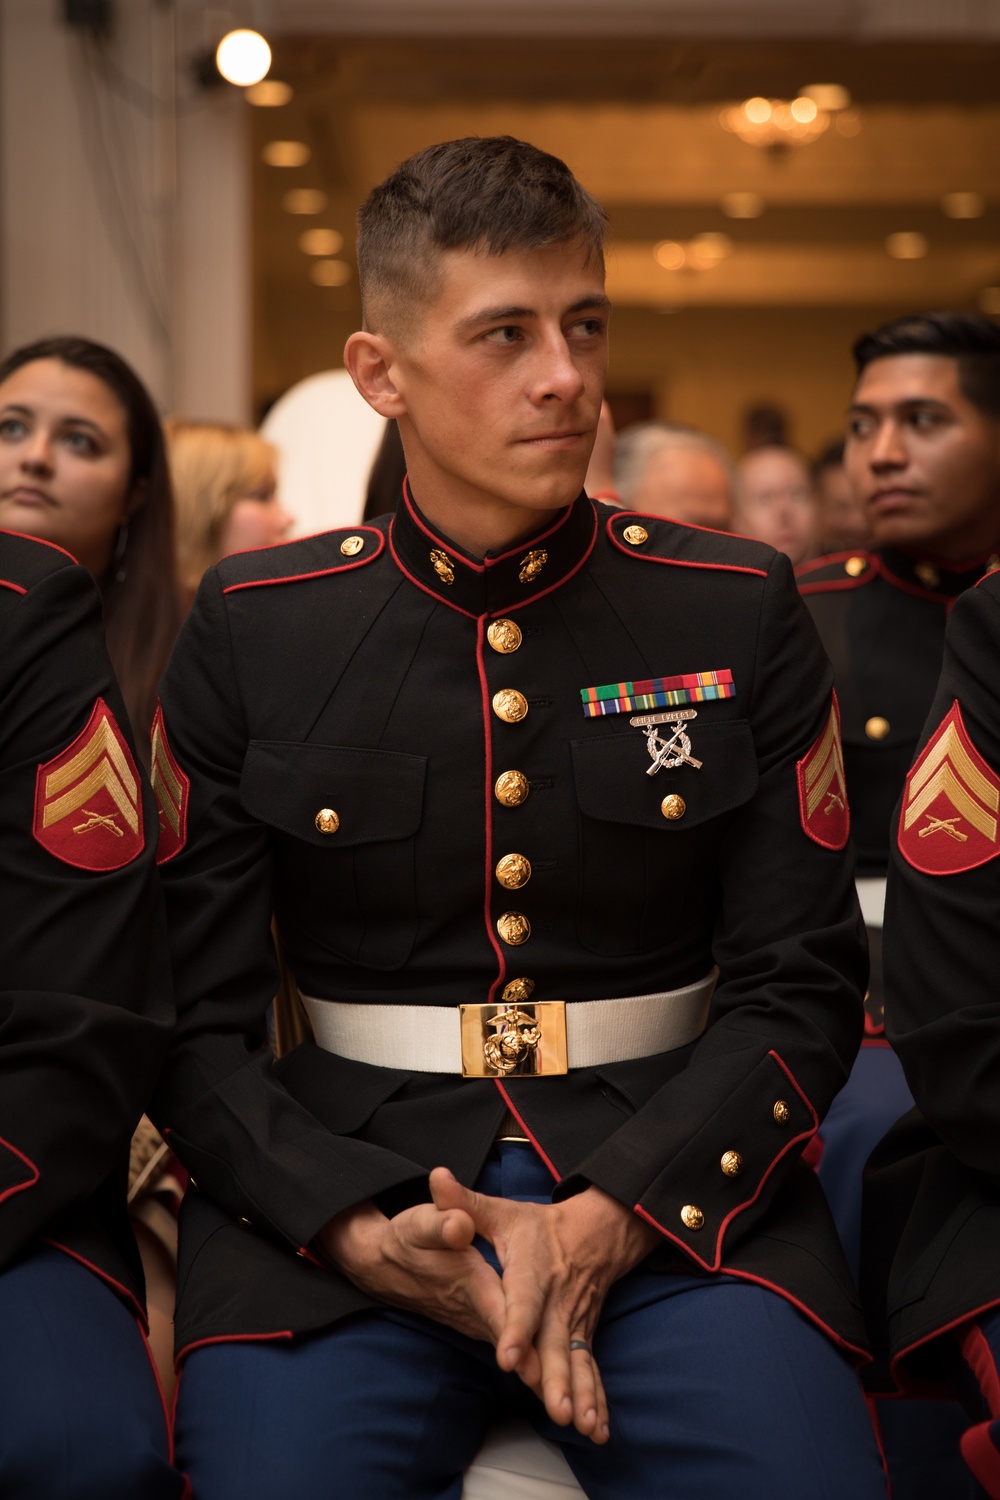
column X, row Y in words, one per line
column 657, row 692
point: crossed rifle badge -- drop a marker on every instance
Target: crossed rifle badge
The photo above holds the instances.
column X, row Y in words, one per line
column 666, row 754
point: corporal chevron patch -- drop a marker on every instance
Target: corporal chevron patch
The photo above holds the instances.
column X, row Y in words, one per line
column 171, row 787
column 88, row 799
column 949, row 817
column 823, row 809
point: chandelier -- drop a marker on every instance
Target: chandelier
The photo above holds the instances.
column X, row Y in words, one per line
column 777, row 125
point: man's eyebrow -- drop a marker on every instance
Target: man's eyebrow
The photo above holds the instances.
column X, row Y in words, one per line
column 597, row 301
column 907, row 402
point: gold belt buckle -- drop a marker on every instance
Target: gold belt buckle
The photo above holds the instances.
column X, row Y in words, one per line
column 501, row 1040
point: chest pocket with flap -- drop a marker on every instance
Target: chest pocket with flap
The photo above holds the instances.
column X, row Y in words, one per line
column 351, row 889
column 642, row 874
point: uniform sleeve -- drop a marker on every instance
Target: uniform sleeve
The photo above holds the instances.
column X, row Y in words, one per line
column 941, row 940
column 85, row 1008
column 251, row 1146
column 704, row 1157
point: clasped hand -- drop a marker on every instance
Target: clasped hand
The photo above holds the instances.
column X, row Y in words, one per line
column 559, row 1260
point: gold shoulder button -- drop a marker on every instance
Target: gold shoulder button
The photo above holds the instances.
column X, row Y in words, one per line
column 635, row 535
column 782, row 1114
column 855, row 566
column 692, row 1217
column 876, row 728
column 326, row 820
column 352, row 545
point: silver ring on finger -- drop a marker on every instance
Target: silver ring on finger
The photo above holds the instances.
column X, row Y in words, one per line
column 580, row 1344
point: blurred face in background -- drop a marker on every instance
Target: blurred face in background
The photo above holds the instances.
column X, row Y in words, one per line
column 686, row 484
column 923, row 459
column 65, row 460
column 843, row 521
column 256, row 519
column 775, row 501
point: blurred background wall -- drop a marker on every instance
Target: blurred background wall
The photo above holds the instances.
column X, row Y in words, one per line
column 208, row 233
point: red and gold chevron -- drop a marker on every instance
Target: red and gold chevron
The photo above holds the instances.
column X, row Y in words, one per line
column 823, row 809
column 171, row 787
column 88, row 800
column 948, row 821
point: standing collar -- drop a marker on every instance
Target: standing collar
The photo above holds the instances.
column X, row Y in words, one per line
column 932, row 578
column 499, row 582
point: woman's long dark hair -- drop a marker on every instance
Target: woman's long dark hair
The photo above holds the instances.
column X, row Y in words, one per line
column 139, row 587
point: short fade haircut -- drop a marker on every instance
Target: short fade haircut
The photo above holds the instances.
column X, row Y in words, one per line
column 639, row 444
column 973, row 342
column 489, row 194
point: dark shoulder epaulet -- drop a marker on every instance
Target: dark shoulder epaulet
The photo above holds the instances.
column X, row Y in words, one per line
column 654, row 539
column 307, row 557
column 836, row 571
column 25, row 561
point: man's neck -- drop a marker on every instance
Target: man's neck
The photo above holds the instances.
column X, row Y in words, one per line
column 481, row 524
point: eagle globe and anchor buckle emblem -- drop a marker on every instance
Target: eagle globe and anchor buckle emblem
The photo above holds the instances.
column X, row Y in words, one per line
column 514, row 1037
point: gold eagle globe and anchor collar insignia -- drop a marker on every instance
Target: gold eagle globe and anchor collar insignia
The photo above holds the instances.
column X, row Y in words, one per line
column 949, row 818
column 491, row 588
column 172, row 788
column 514, row 1037
column 88, row 799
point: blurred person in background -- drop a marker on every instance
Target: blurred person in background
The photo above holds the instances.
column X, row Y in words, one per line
column 226, row 492
column 775, row 501
column 675, row 472
column 843, row 523
column 765, row 426
column 923, row 455
column 83, row 465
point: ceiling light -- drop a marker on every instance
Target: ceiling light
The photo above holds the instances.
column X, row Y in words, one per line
column 989, row 299
column 321, row 242
column 304, row 201
column 270, row 93
column 286, row 153
column 963, row 205
column 742, row 205
column 776, row 124
column 907, row 245
column 670, row 255
column 705, row 251
column 243, row 57
column 830, row 97
column 847, row 123
column 330, row 272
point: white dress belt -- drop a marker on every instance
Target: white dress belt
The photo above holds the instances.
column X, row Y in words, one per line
column 871, row 894
column 427, row 1038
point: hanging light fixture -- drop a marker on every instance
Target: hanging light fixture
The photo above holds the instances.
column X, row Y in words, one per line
column 243, row 57
column 777, row 125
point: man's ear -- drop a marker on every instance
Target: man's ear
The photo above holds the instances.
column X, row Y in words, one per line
column 370, row 360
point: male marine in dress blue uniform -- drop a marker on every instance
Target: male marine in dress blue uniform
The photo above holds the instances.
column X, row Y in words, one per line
column 516, row 774
column 85, row 1014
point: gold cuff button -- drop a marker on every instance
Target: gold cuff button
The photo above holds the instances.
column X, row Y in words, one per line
column 673, row 807
column 876, row 728
column 855, row 566
column 352, row 545
column 511, row 788
column 691, row 1217
column 513, row 871
column 514, row 928
column 441, row 563
column 504, row 636
column 782, row 1114
column 327, row 820
column 731, row 1163
column 510, row 705
column 518, row 991
column 635, row 535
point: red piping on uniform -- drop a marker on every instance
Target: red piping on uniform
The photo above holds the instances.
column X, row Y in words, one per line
column 488, row 746
column 408, row 501
column 521, row 603
column 15, row 588
column 875, row 1420
column 162, row 1394
column 861, row 1355
column 905, row 587
column 829, row 558
column 304, row 1253
column 19, row 1187
column 259, row 583
column 227, row 1338
column 532, row 541
column 23, row 536
column 675, row 562
column 982, row 1458
column 438, row 598
column 129, row 1298
column 487, row 562
column 967, row 1317
column 804, row 1135
column 527, row 1130
column 978, row 1356
column 876, row 1041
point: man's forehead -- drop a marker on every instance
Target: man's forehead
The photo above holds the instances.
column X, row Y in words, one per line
column 900, row 379
column 523, row 280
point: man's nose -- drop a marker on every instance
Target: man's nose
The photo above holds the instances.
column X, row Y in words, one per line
column 558, row 377
column 887, row 450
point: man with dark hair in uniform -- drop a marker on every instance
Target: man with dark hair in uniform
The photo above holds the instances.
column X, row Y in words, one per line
column 923, row 454
column 516, row 773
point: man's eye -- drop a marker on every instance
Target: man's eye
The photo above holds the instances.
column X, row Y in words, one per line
column 509, row 334
column 859, row 427
column 924, row 421
column 590, row 327
column 12, row 428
